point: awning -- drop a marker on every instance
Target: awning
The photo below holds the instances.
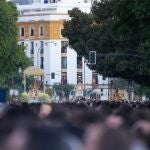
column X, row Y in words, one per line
column 33, row 71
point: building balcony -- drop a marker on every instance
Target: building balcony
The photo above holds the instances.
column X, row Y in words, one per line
column 79, row 70
column 63, row 54
column 64, row 69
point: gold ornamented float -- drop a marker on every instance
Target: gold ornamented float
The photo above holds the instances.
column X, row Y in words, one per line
column 35, row 90
column 117, row 95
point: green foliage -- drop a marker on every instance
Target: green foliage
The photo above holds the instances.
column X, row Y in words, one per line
column 45, row 98
column 65, row 89
column 15, row 80
column 12, row 55
column 138, row 89
column 57, row 88
column 78, row 30
column 142, row 90
column 49, row 91
column 114, row 27
column 119, row 83
column 131, row 23
column 24, row 97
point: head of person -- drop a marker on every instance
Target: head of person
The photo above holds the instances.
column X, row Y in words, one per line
column 36, row 138
column 100, row 137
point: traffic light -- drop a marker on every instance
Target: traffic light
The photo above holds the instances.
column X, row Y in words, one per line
column 52, row 75
column 92, row 57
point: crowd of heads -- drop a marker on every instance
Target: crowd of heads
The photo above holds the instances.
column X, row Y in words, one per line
column 75, row 126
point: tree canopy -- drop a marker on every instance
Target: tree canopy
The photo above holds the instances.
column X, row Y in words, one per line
column 114, row 27
column 66, row 88
column 12, row 55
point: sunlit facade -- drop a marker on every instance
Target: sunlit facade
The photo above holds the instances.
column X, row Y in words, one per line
column 40, row 24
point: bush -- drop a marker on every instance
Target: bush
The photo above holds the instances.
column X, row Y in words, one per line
column 49, row 91
column 44, row 98
column 24, row 97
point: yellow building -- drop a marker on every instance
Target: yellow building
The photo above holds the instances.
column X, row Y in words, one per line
column 40, row 28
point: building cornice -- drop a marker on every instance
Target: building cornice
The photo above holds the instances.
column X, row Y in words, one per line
column 48, row 14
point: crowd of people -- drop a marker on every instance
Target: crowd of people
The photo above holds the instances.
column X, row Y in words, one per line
column 79, row 125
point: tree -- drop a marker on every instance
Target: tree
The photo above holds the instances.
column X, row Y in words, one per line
column 66, row 89
column 49, row 91
column 139, row 90
column 131, row 23
column 12, row 55
column 108, row 30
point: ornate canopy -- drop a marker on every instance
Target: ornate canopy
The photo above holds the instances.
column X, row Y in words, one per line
column 33, row 71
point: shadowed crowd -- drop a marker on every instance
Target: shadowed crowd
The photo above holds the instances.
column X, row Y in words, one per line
column 75, row 126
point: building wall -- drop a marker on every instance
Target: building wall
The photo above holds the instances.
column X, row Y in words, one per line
column 27, row 2
column 72, row 67
column 22, row 2
column 52, row 39
column 52, row 29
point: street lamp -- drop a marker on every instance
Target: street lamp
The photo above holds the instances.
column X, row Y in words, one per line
column 19, row 70
column 23, row 79
column 62, row 89
column 38, row 51
column 61, row 82
column 84, row 85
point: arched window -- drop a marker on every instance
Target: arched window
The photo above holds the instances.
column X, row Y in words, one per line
column 22, row 31
column 41, row 30
column 31, row 31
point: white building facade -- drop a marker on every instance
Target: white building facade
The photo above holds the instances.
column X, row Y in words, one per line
column 40, row 24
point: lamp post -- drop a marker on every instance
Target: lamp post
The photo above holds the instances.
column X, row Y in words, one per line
column 61, row 82
column 84, row 78
column 62, row 89
column 38, row 51
column 23, row 79
column 12, row 90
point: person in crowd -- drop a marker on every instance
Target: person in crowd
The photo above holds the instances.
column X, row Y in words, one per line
column 77, row 125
